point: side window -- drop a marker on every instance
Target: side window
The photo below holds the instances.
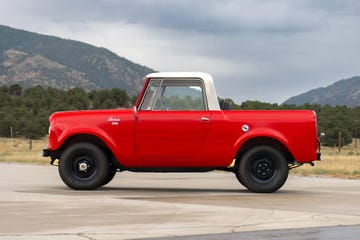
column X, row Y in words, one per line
column 178, row 95
column 150, row 95
column 174, row 95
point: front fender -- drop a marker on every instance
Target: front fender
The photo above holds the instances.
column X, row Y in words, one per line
column 99, row 133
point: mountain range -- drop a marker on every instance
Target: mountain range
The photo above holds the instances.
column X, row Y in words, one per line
column 29, row 59
column 343, row 92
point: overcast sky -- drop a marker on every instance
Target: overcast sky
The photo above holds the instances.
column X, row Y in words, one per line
column 266, row 50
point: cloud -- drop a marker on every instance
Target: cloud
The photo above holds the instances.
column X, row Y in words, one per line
column 259, row 50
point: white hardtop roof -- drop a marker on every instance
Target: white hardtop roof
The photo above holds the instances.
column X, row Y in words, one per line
column 213, row 103
column 202, row 75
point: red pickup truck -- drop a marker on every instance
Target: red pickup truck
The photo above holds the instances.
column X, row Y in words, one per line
column 178, row 125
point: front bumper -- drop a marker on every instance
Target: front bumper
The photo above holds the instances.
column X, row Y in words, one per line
column 53, row 154
column 46, row 153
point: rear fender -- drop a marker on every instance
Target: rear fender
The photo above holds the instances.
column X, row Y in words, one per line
column 262, row 137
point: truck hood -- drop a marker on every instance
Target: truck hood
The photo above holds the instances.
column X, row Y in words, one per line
column 70, row 122
column 94, row 122
column 89, row 113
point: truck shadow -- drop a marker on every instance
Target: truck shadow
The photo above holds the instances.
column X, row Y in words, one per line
column 166, row 192
column 170, row 190
column 193, row 191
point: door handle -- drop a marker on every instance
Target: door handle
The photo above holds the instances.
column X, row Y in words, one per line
column 205, row 119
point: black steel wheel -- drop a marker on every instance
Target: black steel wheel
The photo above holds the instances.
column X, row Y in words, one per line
column 84, row 166
column 262, row 169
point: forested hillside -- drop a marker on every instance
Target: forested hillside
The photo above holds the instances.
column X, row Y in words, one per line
column 26, row 112
column 31, row 59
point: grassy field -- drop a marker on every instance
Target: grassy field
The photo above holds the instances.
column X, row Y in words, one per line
column 18, row 150
column 345, row 164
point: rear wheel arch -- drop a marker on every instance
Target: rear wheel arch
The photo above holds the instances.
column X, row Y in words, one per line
column 264, row 141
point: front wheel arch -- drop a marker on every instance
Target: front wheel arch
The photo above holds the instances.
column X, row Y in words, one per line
column 92, row 139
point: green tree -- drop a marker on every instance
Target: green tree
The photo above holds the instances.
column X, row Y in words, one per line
column 15, row 90
column 108, row 104
column 76, row 99
column 120, row 97
column 257, row 105
column 332, row 137
column 7, row 120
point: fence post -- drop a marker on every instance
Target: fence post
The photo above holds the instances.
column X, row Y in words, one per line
column 30, row 143
column 355, row 135
column 339, row 141
column 11, row 135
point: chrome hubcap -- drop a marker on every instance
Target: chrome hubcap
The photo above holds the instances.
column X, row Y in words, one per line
column 83, row 167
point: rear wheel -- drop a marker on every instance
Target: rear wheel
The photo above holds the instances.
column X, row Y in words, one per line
column 262, row 169
column 84, row 166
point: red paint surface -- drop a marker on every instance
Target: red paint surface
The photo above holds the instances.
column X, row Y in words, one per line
column 183, row 138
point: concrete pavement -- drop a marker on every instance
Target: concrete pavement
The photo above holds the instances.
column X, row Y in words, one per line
column 35, row 204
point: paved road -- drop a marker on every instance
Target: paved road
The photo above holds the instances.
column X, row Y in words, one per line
column 34, row 204
column 322, row 233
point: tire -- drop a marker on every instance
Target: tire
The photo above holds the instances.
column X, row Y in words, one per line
column 110, row 176
column 84, row 166
column 262, row 169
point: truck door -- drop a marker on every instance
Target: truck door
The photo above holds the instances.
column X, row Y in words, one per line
column 172, row 123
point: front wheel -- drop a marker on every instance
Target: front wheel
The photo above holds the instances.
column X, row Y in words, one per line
column 84, row 166
column 110, row 176
column 262, row 169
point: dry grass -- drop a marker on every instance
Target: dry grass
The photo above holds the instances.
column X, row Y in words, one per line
column 345, row 164
column 18, row 150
